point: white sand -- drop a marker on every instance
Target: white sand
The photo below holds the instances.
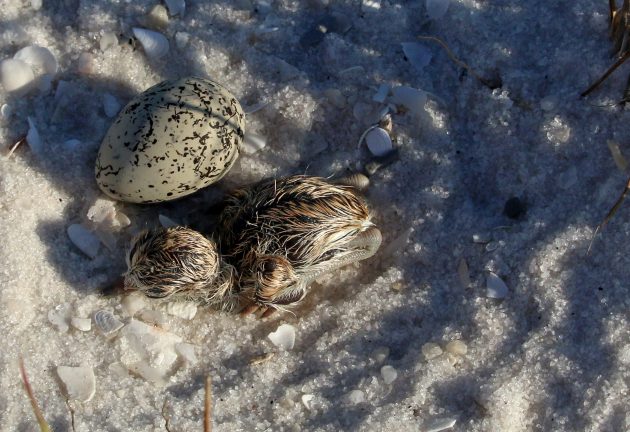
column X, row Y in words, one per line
column 554, row 354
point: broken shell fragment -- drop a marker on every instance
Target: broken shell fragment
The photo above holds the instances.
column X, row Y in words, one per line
column 84, row 239
column 79, row 382
column 15, row 75
column 40, row 59
column 283, row 337
column 495, row 287
column 107, row 323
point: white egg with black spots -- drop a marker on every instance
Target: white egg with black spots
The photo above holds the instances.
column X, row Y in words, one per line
column 170, row 141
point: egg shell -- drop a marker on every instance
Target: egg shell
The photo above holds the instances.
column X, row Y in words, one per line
column 170, row 141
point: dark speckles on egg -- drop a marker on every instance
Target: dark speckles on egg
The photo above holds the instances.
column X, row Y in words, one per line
column 193, row 119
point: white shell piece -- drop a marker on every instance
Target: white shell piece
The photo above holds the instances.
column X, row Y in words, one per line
column 36, row 4
column 456, row 347
column 107, row 323
column 153, row 345
column 495, row 287
column 185, row 310
column 389, row 374
column 110, row 105
column 107, row 41
column 306, row 400
column 122, row 219
column 253, row 143
column 379, row 142
column 84, row 239
column 83, row 324
column 431, row 350
column 155, row 44
column 59, row 317
column 187, row 352
column 40, row 59
column 381, row 93
column 15, row 75
column 380, row 354
column 157, row 18
column 411, row 98
column 148, row 373
column 283, row 337
column 417, row 54
column 133, row 303
column 103, row 210
column 32, row 137
column 79, row 382
column 167, row 222
column 439, row 424
column 176, row 7
column 181, row 39
column 436, row 9
column 356, row 397
column 5, row 111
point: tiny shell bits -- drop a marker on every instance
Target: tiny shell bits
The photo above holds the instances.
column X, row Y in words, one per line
column 170, row 141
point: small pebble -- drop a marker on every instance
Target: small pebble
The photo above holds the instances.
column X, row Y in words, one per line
column 157, row 18
column 79, row 382
column 381, row 93
column 417, row 54
column 85, row 64
column 111, row 106
column 176, row 7
column 107, row 41
column 356, row 397
column 84, row 239
column 283, row 337
column 514, row 208
column 495, row 287
column 456, row 347
column 431, row 350
column 33, row 139
column 83, row 324
column 380, row 354
column 389, row 374
column 15, row 75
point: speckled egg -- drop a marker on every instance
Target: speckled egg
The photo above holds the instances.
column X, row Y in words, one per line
column 170, row 141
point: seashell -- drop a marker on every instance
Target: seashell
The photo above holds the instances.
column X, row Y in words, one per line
column 40, row 59
column 111, row 106
column 84, row 239
column 133, row 303
column 36, row 4
column 389, row 374
column 5, row 111
column 16, row 75
column 283, row 337
column 456, row 347
column 108, row 40
column 495, row 287
column 32, row 137
column 417, row 54
column 379, row 142
column 436, row 9
column 306, row 400
column 102, row 211
column 176, row 7
column 59, row 317
column 253, row 143
column 79, row 382
column 155, row 44
column 411, row 98
column 157, row 18
column 439, row 424
column 107, row 323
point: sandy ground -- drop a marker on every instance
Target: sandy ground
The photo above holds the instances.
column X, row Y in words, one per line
column 553, row 354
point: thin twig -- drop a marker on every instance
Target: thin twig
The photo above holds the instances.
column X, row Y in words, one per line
column 606, row 74
column 43, row 425
column 166, row 416
column 71, row 414
column 610, row 214
column 15, row 146
column 207, row 417
column 456, row 60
